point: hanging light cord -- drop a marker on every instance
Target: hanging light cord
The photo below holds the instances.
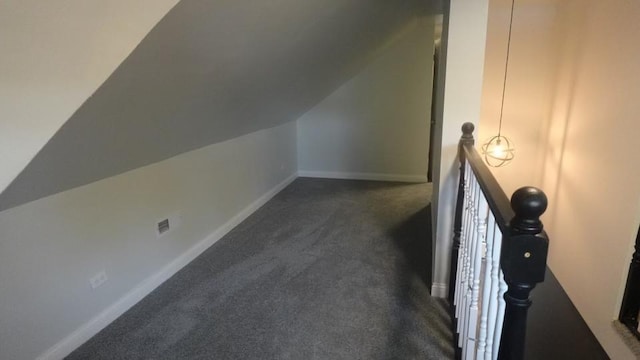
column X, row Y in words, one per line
column 506, row 67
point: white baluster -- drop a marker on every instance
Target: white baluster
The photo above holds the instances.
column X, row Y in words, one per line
column 463, row 237
column 456, row 294
column 464, row 245
column 481, row 229
column 494, row 293
column 473, row 236
column 502, row 288
column 466, row 285
column 487, row 286
column 462, row 265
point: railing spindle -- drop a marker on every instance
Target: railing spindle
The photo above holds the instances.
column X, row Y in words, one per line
column 475, row 193
column 481, row 227
column 494, row 297
column 463, row 241
column 502, row 289
column 465, row 253
column 498, row 256
column 487, row 287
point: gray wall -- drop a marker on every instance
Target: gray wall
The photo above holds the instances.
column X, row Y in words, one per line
column 223, row 77
column 376, row 126
column 50, row 248
column 210, row 71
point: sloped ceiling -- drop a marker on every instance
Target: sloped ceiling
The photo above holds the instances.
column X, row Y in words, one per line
column 53, row 56
column 211, row 70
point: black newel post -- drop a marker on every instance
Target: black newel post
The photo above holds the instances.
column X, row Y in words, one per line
column 523, row 261
column 466, row 139
column 631, row 300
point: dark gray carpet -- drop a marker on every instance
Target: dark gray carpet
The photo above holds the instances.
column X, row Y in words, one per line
column 328, row 269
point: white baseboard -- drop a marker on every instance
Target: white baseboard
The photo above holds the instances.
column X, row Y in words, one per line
column 439, row 290
column 100, row 321
column 412, row 178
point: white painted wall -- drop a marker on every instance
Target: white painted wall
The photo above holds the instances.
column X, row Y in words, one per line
column 55, row 54
column 51, row 247
column 376, row 125
column 591, row 172
column 464, row 42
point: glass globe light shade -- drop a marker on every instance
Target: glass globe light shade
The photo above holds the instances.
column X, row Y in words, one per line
column 498, row 151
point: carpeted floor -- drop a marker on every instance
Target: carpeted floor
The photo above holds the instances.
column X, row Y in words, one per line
column 328, row 269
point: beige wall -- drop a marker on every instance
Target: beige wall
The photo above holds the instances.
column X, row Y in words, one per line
column 55, row 54
column 529, row 88
column 591, row 170
column 571, row 108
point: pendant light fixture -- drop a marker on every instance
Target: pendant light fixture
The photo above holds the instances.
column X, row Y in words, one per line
column 498, row 150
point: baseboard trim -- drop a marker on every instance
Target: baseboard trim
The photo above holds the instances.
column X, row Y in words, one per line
column 439, row 290
column 100, row 321
column 411, row 178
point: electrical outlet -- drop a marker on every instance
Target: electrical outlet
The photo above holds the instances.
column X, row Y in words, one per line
column 168, row 224
column 163, row 227
column 98, row 279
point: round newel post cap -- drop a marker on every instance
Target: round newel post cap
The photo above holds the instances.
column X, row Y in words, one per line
column 467, row 128
column 467, row 133
column 528, row 203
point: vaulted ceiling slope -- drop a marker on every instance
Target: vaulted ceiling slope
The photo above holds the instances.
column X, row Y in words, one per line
column 53, row 56
column 211, row 70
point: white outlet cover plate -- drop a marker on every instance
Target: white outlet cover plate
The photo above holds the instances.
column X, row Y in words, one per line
column 98, row 279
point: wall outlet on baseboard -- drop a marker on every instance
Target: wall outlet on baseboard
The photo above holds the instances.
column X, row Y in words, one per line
column 168, row 224
column 98, row 279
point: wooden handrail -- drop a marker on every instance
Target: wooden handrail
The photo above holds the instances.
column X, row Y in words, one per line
column 498, row 201
column 524, row 246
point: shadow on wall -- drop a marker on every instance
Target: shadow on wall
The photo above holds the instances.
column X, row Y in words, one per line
column 561, row 112
column 208, row 72
column 376, row 124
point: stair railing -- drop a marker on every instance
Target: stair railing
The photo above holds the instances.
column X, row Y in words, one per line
column 499, row 254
